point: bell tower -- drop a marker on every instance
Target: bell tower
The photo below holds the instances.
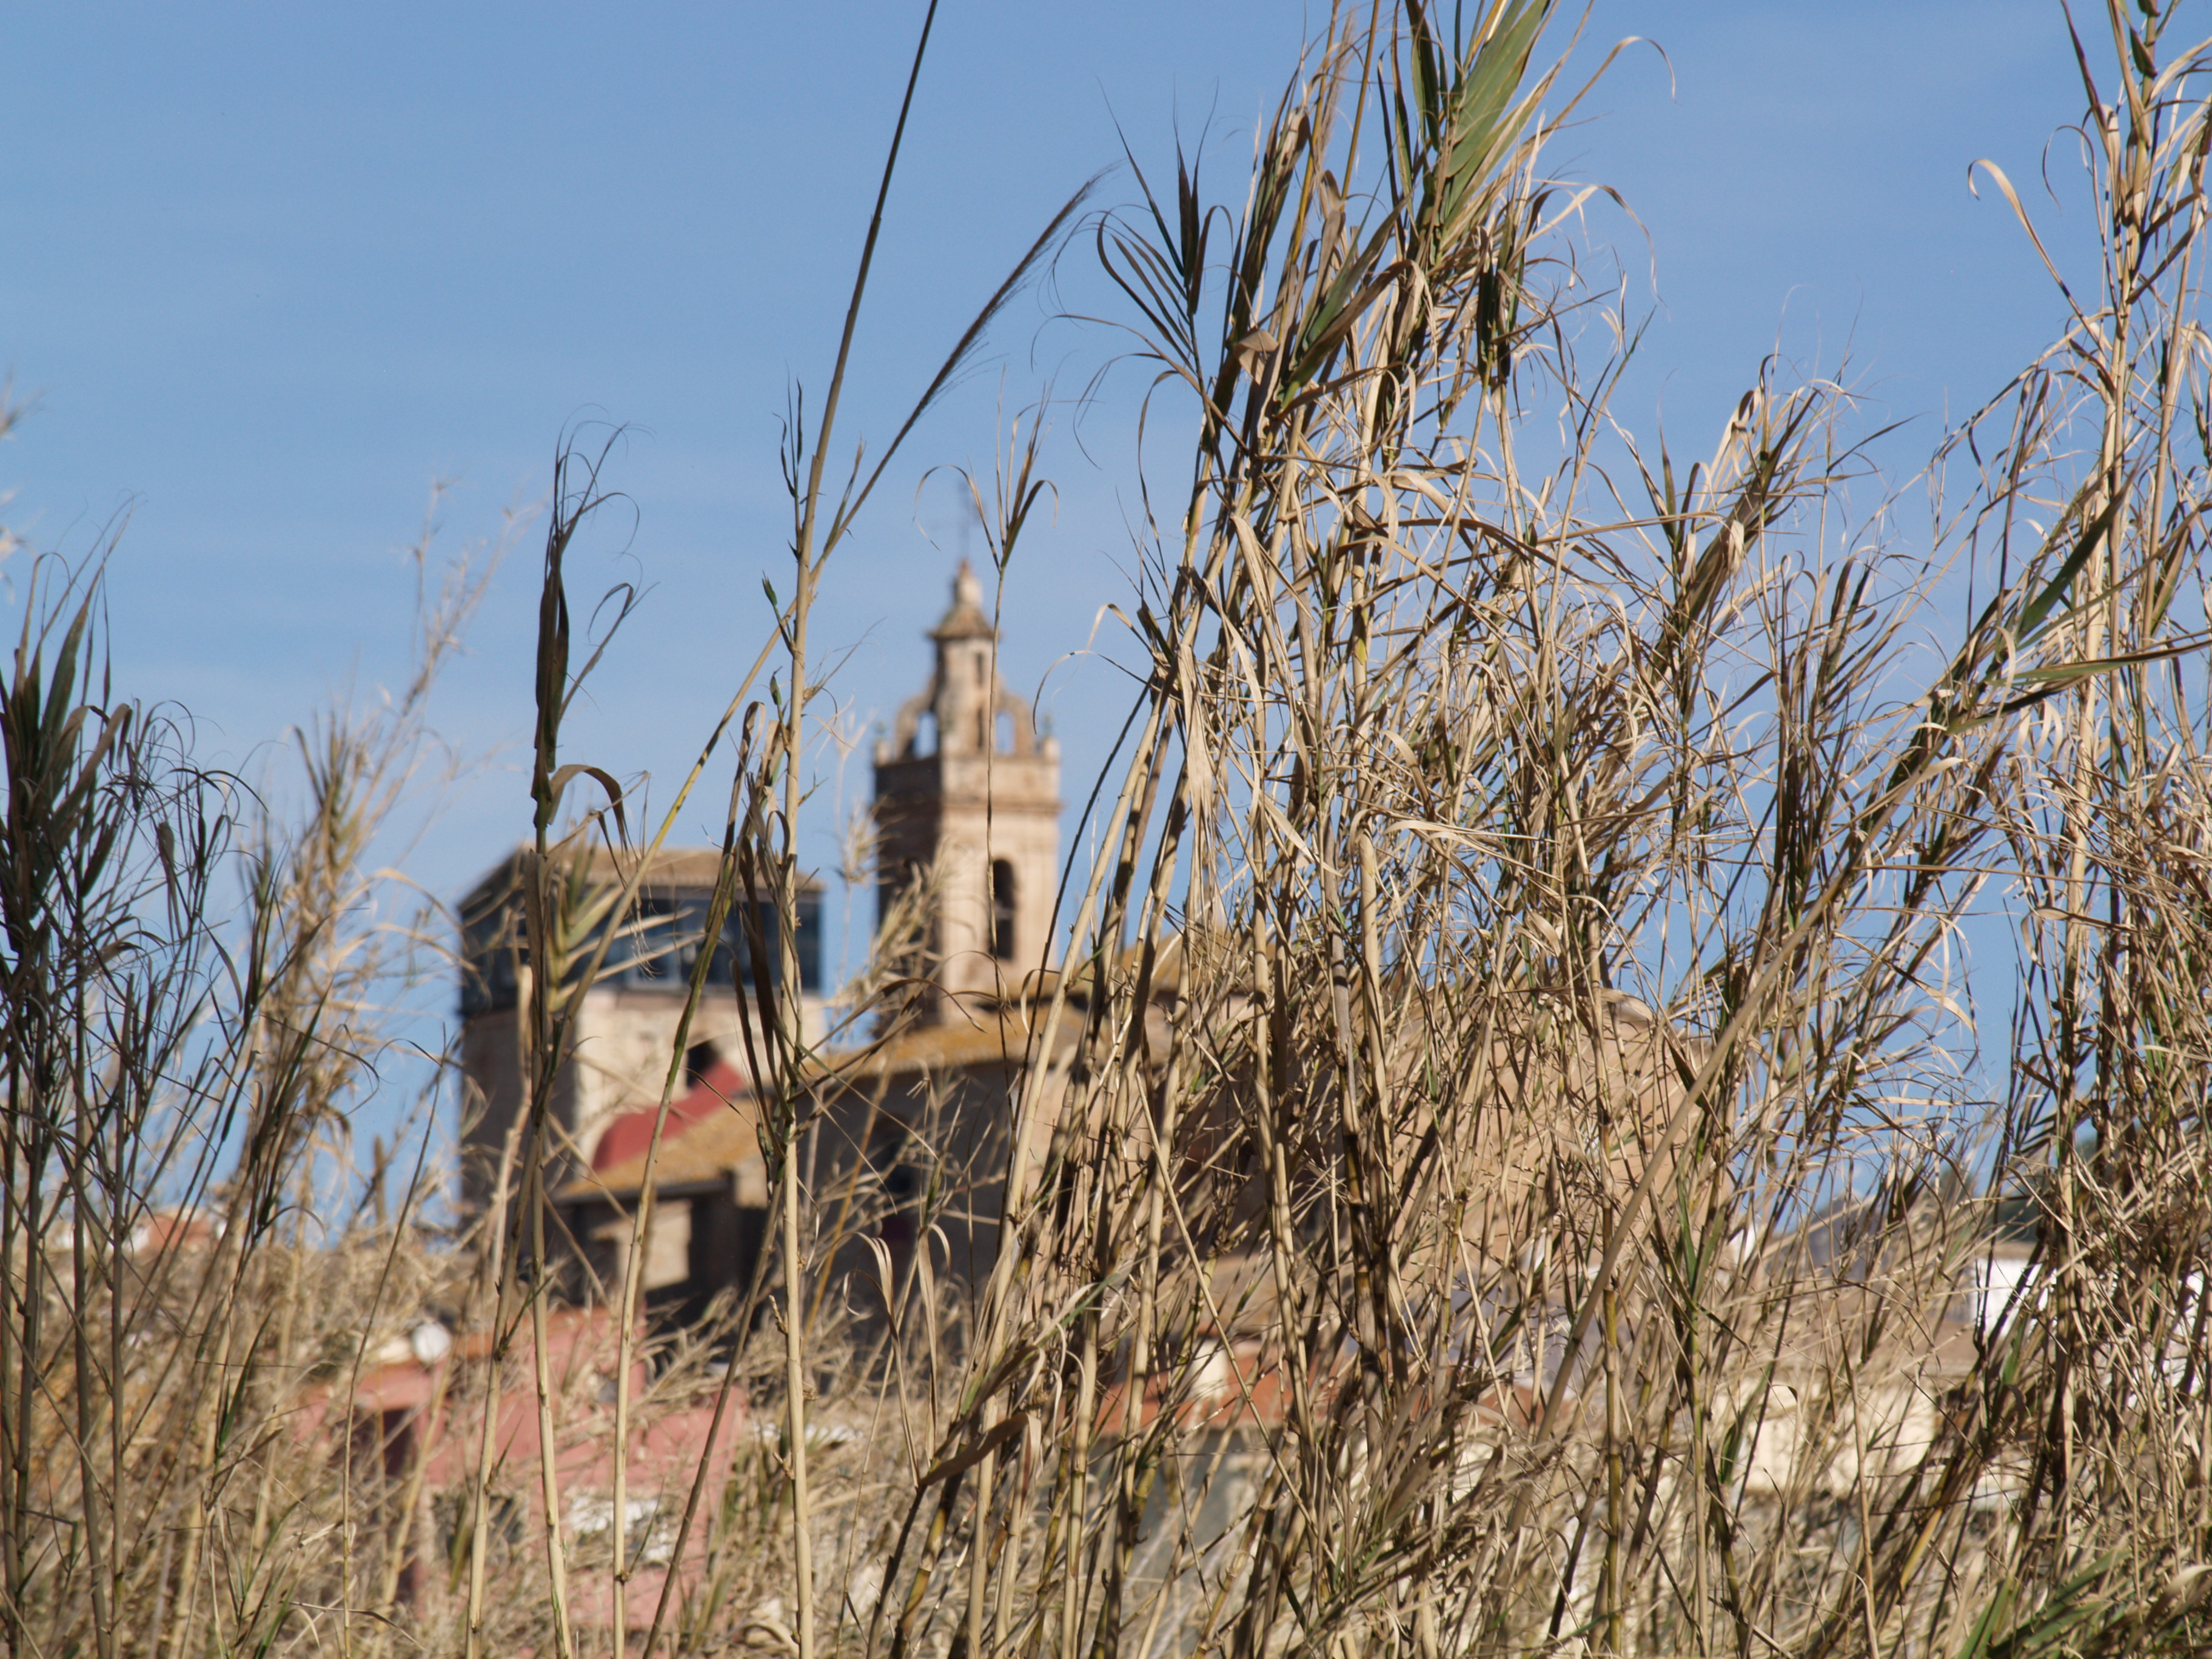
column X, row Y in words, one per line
column 967, row 791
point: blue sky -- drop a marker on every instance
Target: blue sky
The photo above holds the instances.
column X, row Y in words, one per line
column 272, row 271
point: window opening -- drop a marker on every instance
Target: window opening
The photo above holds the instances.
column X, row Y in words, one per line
column 1002, row 909
column 698, row 1060
column 653, row 941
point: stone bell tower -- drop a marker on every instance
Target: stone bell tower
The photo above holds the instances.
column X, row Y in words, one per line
column 966, row 791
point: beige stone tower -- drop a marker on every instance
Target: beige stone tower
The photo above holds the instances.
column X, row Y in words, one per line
column 966, row 789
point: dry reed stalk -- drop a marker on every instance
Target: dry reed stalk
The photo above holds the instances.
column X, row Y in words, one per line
column 1590, row 1326
column 174, row 1074
column 1497, row 1173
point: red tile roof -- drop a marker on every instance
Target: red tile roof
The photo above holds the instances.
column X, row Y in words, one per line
column 629, row 1135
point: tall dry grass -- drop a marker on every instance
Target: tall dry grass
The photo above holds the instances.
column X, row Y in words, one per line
column 1565, row 1134
column 197, row 994
column 1508, row 1165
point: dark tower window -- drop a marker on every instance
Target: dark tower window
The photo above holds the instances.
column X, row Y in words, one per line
column 698, row 1060
column 1002, row 909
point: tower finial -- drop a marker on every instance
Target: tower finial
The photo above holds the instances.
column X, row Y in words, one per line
column 966, row 620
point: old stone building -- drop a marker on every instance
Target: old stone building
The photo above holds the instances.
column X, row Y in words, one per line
column 966, row 802
column 627, row 1021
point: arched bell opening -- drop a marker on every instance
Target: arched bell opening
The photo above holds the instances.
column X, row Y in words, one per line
column 1002, row 909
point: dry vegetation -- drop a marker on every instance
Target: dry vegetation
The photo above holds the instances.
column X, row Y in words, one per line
column 1505, row 1169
